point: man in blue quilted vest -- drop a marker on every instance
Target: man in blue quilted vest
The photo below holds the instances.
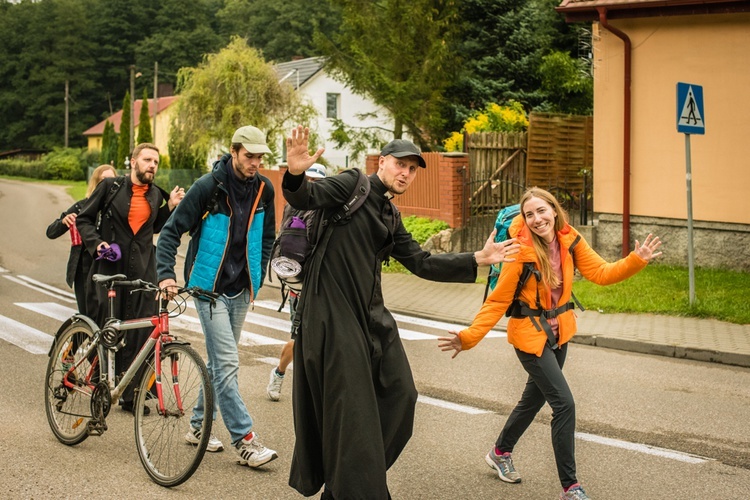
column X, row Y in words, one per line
column 230, row 214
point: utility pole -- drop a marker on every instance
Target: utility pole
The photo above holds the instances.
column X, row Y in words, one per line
column 156, row 98
column 132, row 106
column 67, row 91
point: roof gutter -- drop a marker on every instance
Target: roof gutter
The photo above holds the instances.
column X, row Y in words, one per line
column 626, row 129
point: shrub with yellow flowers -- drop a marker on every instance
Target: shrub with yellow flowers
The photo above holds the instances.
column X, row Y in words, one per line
column 494, row 118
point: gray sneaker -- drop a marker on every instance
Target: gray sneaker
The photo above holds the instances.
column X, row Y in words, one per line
column 274, row 385
column 504, row 467
column 574, row 493
column 252, row 453
column 193, row 437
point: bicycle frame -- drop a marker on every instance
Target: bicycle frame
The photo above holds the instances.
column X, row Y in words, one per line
column 159, row 336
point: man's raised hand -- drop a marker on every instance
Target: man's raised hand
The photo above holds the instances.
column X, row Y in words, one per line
column 298, row 156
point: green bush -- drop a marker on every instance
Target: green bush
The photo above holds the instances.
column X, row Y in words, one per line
column 65, row 164
column 33, row 169
column 421, row 229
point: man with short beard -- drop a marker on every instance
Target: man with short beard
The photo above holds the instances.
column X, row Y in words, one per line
column 136, row 212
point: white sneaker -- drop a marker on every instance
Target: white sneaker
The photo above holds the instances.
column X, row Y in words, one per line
column 274, row 386
column 193, row 436
column 252, row 453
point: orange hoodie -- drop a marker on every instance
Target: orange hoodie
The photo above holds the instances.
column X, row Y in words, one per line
column 521, row 332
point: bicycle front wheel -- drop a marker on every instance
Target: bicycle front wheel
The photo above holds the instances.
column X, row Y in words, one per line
column 70, row 380
column 160, row 434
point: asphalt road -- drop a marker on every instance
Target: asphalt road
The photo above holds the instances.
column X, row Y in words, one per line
column 649, row 427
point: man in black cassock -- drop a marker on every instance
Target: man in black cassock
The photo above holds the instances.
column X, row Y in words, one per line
column 354, row 395
column 137, row 211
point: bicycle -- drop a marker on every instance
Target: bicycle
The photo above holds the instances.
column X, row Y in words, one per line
column 81, row 385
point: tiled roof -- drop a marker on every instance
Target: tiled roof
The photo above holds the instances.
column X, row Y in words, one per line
column 164, row 103
column 577, row 10
column 299, row 71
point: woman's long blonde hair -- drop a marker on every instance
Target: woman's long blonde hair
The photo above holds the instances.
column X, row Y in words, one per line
column 540, row 246
column 96, row 177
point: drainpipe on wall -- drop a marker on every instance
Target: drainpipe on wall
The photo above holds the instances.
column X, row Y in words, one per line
column 626, row 131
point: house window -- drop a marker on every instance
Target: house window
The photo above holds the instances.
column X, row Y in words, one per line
column 332, row 105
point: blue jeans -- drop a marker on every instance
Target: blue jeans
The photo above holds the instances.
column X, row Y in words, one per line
column 222, row 326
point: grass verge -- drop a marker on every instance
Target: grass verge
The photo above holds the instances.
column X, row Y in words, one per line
column 720, row 294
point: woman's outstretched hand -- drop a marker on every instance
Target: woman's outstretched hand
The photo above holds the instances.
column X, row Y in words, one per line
column 647, row 251
column 450, row 343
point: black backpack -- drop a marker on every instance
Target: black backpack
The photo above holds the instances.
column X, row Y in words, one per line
column 300, row 233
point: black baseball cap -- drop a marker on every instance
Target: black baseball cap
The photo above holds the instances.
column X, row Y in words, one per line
column 401, row 148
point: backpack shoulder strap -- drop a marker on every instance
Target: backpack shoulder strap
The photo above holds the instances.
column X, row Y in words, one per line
column 113, row 190
column 356, row 199
column 573, row 256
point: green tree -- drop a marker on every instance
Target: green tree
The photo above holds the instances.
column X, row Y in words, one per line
column 281, row 29
column 109, row 143
column 400, row 54
column 123, row 142
column 567, row 83
column 229, row 89
column 144, row 121
column 181, row 33
column 503, row 44
column 34, row 66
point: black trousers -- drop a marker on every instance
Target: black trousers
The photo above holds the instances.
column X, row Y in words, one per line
column 546, row 383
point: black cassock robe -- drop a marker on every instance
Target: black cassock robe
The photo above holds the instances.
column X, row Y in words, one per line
column 354, row 395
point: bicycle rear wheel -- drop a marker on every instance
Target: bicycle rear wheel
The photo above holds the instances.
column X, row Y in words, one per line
column 67, row 395
column 160, row 436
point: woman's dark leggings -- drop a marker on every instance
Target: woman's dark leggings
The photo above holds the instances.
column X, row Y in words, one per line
column 546, row 383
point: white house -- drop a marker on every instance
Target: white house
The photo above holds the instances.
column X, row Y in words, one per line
column 333, row 99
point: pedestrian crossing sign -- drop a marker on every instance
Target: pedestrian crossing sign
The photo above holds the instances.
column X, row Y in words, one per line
column 690, row 115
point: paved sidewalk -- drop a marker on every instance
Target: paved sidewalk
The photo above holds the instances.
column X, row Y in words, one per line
column 690, row 338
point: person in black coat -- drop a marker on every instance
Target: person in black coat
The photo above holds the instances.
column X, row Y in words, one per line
column 79, row 260
column 138, row 209
column 354, row 395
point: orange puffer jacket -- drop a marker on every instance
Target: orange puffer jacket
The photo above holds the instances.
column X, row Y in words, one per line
column 521, row 332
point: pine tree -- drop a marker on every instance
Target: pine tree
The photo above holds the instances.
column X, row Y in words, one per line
column 109, row 143
column 144, row 123
column 123, row 144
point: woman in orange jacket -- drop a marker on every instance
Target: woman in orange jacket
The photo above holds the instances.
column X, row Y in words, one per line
column 542, row 323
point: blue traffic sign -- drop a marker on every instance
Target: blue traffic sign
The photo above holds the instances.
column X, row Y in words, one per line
column 690, row 115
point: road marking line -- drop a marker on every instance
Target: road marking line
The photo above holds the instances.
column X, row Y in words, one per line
column 405, row 333
column 49, row 309
column 451, row 406
column 643, row 448
column 25, row 337
column 36, row 288
column 246, row 338
column 64, row 293
column 3, row 270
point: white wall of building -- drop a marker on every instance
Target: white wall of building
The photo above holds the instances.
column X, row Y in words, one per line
column 315, row 90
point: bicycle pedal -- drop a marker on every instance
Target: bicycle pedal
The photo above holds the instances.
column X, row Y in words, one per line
column 95, row 428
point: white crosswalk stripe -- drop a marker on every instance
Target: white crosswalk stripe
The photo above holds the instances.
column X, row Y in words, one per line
column 25, row 337
column 50, row 309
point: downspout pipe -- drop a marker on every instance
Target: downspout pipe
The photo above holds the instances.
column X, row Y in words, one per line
column 626, row 129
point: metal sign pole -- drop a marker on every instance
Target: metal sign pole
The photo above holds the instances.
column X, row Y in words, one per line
column 691, row 119
column 689, row 179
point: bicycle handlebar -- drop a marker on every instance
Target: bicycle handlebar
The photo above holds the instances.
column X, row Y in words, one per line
column 140, row 285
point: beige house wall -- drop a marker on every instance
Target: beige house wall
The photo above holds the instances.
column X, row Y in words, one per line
column 163, row 123
column 708, row 50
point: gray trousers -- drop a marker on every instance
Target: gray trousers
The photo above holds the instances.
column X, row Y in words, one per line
column 546, row 383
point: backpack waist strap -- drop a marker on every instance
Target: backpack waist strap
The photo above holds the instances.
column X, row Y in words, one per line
column 523, row 310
